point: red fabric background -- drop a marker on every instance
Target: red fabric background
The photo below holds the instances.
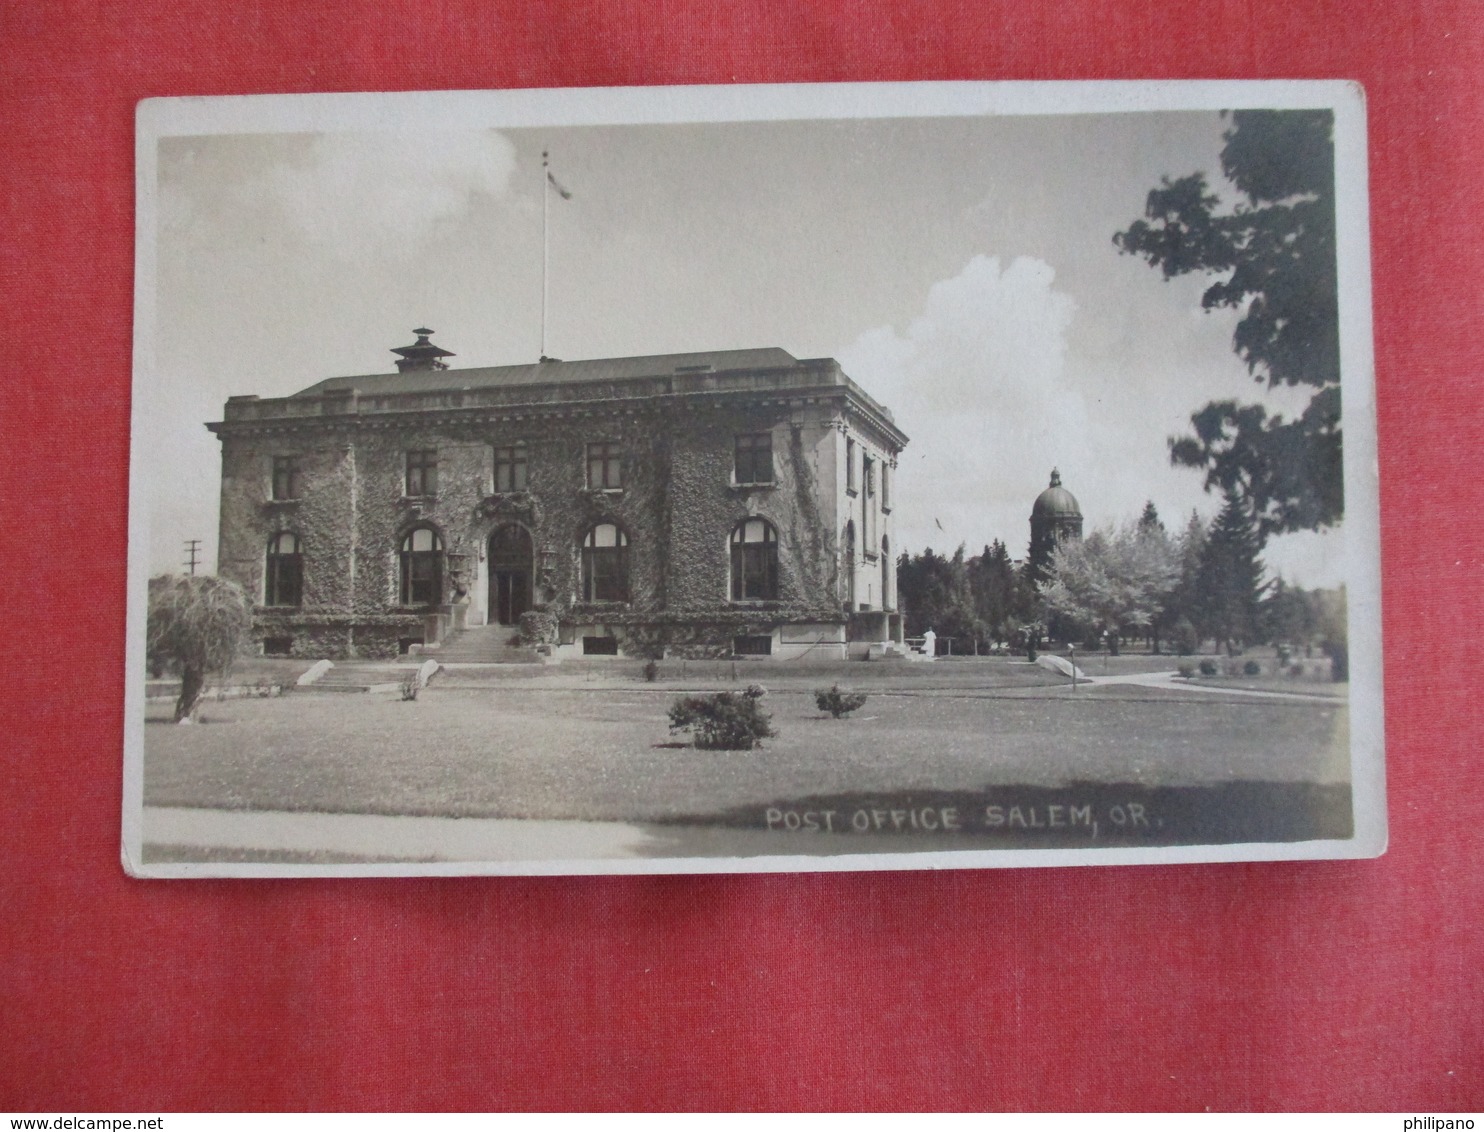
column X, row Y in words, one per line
column 1243, row 986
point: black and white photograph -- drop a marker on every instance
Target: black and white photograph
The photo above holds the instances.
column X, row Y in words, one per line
column 753, row 479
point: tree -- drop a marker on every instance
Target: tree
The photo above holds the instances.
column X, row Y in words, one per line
column 1229, row 582
column 1289, row 614
column 1149, row 520
column 195, row 625
column 995, row 589
column 1274, row 253
column 1114, row 580
column 934, row 593
column 1182, row 607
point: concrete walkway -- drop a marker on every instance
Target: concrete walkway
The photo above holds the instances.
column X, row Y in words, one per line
column 1175, row 682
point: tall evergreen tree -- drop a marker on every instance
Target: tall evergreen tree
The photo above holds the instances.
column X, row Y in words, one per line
column 1229, row 583
column 994, row 585
column 1149, row 520
column 1182, row 607
column 934, row 593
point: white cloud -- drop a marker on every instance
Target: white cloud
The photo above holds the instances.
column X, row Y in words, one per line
column 390, row 192
column 977, row 380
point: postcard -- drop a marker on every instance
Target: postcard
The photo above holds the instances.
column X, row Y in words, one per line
column 753, row 478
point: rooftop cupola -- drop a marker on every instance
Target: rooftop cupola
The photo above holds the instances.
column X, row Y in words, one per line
column 422, row 354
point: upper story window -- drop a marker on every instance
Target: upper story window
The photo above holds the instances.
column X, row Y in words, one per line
column 422, row 567
column 754, row 458
column 605, row 466
column 885, row 487
column 422, row 472
column 285, row 477
column 868, row 504
column 849, row 464
column 283, row 581
column 510, row 467
column 754, row 561
column 605, row 564
column 868, row 476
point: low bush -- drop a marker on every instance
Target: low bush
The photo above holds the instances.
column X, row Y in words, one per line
column 411, row 685
column 836, row 702
column 1252, row 668
column 1208, row 667
column 537, row 627
column 1184, row 638
column 1187, row 669
column 724, row 721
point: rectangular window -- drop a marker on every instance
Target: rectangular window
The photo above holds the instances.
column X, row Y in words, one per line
column 422, row 472
column 510, row 467
column 754, row 458
column 752, row 646
column 604, row 466
column 278, row 646
column 599, row 646
column 285, row 477
column 868, row 506
column 849, row 465
column 886, row 487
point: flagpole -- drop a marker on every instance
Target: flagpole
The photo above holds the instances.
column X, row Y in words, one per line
column 545, row 243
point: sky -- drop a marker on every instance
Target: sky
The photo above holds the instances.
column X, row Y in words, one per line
column 961, row 269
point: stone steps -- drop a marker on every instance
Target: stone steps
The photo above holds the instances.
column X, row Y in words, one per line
column 352, row 676
column 483, row 644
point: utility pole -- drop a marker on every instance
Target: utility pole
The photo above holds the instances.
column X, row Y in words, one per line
column 193, row 551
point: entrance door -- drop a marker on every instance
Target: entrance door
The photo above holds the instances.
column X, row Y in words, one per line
column 510, row 562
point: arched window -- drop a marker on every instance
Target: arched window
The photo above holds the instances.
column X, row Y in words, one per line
column 605, row 564
column 283, row 583
column 422, row 567
column 848, row 564
column 886, row 602
column 754, row 561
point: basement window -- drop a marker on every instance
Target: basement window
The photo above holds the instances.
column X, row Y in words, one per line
column 278, row 646
column 753, row 646
column 599, row 646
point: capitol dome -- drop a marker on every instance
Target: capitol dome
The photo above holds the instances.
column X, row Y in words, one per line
column 1056, row 502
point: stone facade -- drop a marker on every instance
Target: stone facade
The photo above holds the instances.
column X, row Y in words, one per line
column 337, row 466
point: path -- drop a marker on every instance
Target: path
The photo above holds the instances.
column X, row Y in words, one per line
column 1175, row 682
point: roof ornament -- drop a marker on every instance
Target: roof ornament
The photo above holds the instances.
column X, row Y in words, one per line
column 1055, row 478
column 422, row 354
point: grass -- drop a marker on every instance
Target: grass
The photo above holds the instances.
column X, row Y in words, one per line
column 521, row 751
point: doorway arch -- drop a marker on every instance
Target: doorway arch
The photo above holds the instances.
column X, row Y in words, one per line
column 511, row 568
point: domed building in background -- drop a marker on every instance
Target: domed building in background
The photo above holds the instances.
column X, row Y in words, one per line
column 1055, row 516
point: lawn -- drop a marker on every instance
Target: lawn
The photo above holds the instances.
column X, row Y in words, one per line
column 517, row 750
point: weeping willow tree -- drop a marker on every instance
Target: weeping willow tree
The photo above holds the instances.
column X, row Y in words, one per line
column 196, row 625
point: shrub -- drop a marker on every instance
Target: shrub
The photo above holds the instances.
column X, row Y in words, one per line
column 1184, row 637
column 1208, row 667
column 537, row 627
column 1252, row 668
column 724, row 721
column 411, row 685
column 836, row 702
column 1186, row 669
